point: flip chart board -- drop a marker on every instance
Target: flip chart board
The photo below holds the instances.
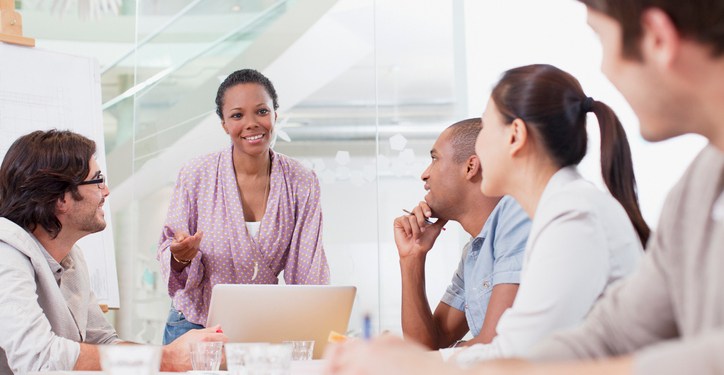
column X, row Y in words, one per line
column 42, row 90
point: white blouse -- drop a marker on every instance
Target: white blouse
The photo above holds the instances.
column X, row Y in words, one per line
column 580, row 242
column 253, row 228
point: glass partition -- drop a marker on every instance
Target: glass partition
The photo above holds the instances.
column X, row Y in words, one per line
column 353, row 109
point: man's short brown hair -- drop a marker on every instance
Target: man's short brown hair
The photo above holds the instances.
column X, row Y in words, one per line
column 699, row 20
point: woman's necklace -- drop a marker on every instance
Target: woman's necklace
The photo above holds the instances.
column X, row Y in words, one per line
column 266, row 198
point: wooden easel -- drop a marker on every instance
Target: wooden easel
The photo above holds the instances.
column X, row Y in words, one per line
column 11, row 25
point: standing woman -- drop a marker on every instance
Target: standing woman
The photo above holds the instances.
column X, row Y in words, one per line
column 581, row 239
column 253, row 212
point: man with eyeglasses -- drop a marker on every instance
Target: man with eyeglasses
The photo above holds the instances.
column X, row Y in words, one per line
column 51, row 195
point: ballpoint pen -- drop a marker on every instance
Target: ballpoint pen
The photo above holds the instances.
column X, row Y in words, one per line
column 367, row 327
column 426, row 219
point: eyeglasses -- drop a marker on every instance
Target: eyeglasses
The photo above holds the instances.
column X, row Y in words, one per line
column 100, row 180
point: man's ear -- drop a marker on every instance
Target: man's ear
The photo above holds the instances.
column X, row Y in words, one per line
column 660, row 40
column 472, row 167
column 62, row 204
column 517, row 136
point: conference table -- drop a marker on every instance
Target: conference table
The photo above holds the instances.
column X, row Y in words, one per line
column 313, row 367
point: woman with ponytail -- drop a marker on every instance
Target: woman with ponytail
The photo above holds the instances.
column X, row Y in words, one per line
column 582, row 239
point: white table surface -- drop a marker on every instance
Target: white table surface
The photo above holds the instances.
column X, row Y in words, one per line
column 313, row 367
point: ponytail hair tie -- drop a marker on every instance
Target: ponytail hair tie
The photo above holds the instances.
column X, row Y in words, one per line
column 587, row 104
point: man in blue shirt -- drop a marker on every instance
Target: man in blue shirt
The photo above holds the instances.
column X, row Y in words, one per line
column 487, row 278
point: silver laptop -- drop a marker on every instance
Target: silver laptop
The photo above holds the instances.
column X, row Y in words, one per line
column 276, row 313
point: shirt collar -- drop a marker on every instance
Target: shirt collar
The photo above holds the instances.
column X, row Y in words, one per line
column 57, row 268
column 477, row 242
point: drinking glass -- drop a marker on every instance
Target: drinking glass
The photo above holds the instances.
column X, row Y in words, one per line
column 302, row 350
column 206, row 355
column 237, row 355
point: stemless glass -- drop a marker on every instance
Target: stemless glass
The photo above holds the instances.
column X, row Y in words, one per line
column 237, row 355
column 270, row 359
column 206, row 355
column 302, row 350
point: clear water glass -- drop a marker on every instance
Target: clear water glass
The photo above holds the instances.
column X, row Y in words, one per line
column 237, row 355
column 270, row 359
column 302, row 350
column 206, row 355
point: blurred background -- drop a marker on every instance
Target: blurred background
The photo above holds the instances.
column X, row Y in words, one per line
column 365, row 87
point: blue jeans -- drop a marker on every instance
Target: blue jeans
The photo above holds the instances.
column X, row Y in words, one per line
column 177, row 325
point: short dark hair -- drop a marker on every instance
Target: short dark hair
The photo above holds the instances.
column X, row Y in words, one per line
column 37, row 171
column 700, row 20
column 244, row 76
column 553, row 106
column 462, row 137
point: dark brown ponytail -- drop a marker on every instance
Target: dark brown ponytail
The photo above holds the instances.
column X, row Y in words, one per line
column 617, row 166
column 553, row 105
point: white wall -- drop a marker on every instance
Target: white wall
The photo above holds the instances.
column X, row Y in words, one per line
column 504, row 34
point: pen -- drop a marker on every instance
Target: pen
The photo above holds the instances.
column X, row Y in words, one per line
column 367, row 327
column 426, row 219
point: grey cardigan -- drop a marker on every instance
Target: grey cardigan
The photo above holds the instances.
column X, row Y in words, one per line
column 46, row 308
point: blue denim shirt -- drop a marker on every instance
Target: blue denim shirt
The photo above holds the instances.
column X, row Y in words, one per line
column 494, row 257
